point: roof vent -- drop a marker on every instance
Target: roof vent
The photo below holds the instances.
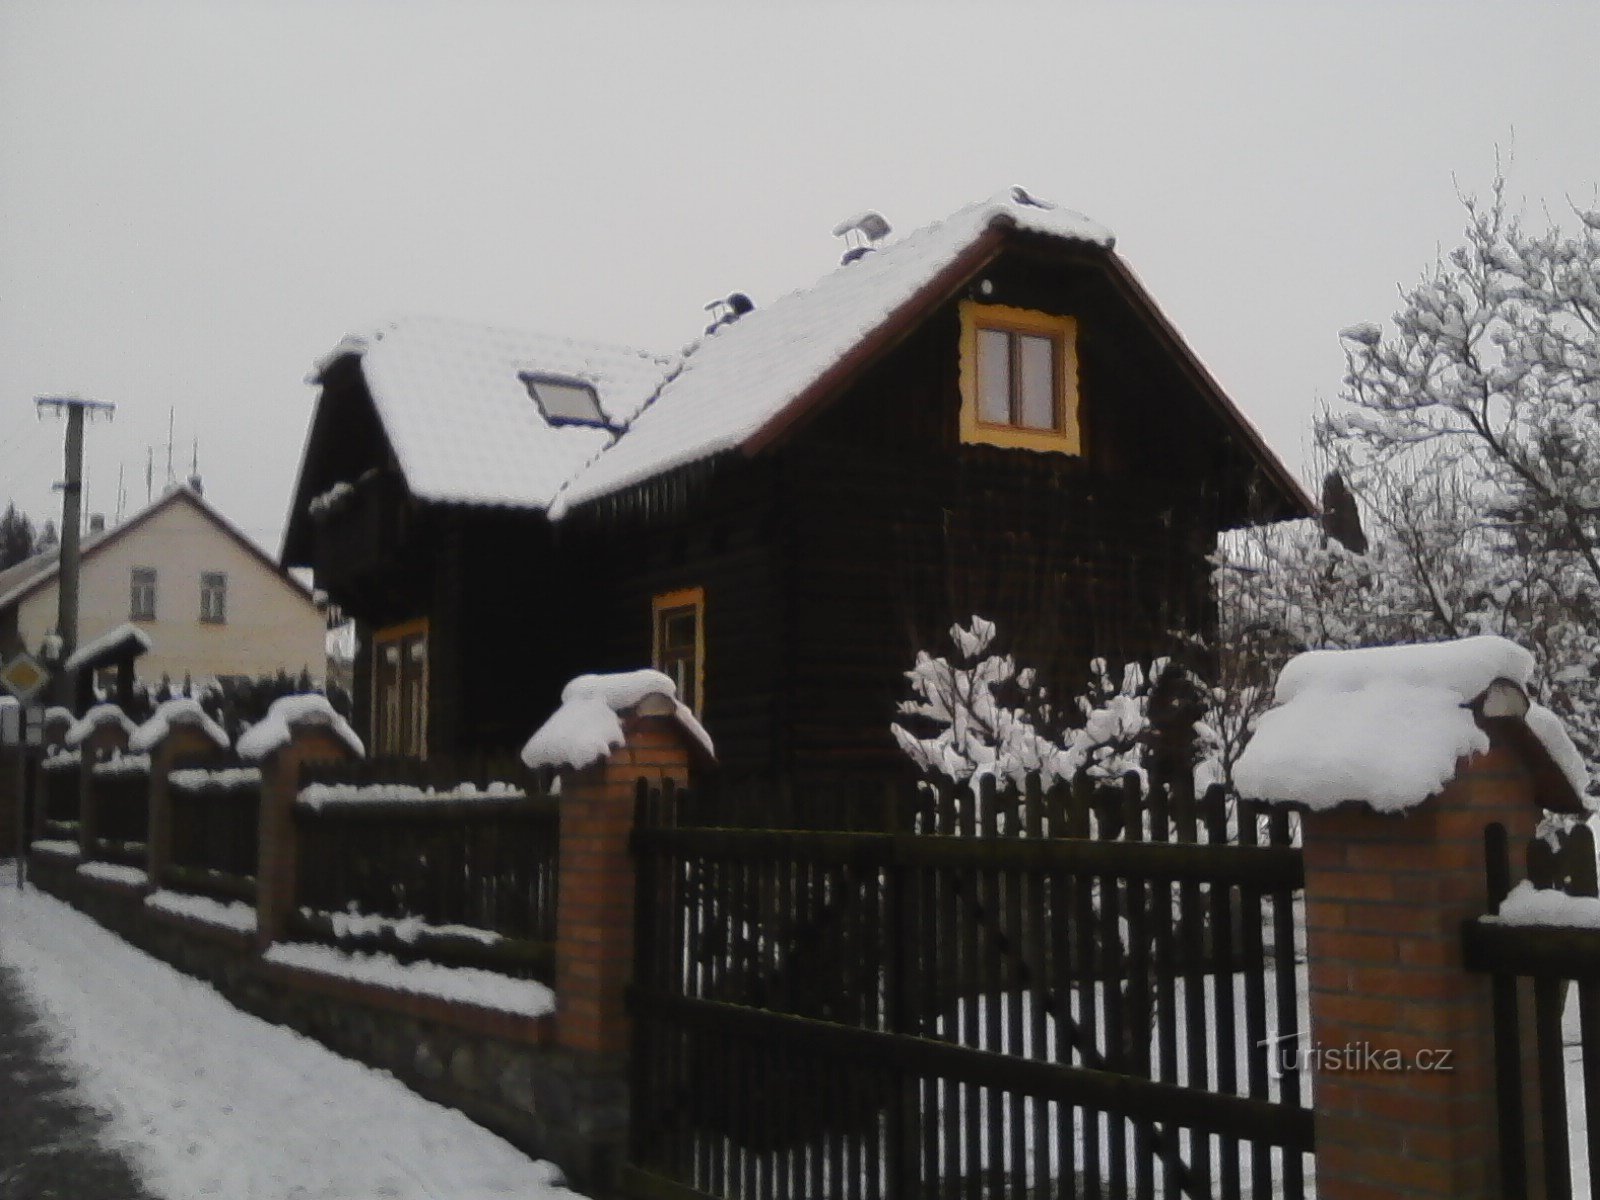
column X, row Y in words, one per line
column 728, row 310
column 861, row 233
column 1021, row 195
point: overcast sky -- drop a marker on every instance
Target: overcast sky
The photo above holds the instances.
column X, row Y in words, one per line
column 198, row 200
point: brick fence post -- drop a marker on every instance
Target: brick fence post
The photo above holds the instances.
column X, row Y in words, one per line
column 276, row 850
column 594, row 910
column 183, row 741
column 103, row 741
column 1386, row 895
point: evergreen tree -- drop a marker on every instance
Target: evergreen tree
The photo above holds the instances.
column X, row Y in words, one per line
column 16, row 537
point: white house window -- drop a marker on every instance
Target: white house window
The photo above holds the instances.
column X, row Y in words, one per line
column 142, row 594
column 213, row 597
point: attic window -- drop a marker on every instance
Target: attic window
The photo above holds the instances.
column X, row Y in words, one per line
column 1019, row 378
column 565, row 401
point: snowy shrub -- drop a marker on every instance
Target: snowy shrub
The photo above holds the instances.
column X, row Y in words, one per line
column 976, row 713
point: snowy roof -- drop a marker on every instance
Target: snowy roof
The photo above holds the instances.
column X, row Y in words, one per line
column 458, row 415
column 123, row 640
column 31, row 574
column 1386, row 725
column 735, row 381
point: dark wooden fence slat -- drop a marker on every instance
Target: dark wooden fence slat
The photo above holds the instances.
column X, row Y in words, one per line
column 849, row 911
column 1286, row 973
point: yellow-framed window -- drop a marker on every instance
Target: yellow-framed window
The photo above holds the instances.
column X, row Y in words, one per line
column 678, row 642
column 1019, row 378
column 400, row 689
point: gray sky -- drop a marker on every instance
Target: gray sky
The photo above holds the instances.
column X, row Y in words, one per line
column 198, row 200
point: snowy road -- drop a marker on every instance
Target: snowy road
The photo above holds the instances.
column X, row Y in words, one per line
column 206, row 1101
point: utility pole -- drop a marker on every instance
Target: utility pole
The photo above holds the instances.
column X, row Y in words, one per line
column 71, row 527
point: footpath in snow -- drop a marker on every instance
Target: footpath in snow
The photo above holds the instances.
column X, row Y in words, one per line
column 206, row 1101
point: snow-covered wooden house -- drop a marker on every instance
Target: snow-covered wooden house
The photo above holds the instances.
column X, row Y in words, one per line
column 988, row 415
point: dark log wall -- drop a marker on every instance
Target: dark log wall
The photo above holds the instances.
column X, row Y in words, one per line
column 721, row 537
column 898, row 529
column 829, row 561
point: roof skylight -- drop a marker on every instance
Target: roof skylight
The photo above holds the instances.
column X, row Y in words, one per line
column 564, row 401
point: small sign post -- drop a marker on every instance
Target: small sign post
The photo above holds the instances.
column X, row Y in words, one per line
column 24, row 677
column 22, row 726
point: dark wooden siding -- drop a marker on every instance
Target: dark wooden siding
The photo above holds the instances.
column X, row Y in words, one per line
column 719, row 537
column 898, row 530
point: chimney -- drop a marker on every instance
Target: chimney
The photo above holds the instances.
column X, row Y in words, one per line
column 195, row 485
column 97, row 522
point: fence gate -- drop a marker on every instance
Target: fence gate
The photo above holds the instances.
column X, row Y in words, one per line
column 1086, row 991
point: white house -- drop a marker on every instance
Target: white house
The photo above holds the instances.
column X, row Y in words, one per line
column 209, row 601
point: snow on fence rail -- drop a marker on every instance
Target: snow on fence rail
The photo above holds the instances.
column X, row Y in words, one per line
column 119, row 808
column 451, row 859
column 215, row 830
column 60, row 784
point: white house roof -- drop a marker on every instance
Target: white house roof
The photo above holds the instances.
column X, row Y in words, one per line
column 459, row 417
column 26, row 577
column 736, row 380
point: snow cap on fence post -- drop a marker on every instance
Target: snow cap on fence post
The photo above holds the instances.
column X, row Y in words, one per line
column 296, row 730
column 178, row 731
column 610, row 732
column 58, row 722
column 1399, row 758
column 100, row 734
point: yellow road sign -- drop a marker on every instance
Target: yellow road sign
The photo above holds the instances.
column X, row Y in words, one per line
column 24, row 677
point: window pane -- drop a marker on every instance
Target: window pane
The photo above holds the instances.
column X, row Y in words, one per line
column 566, row 401
column 678, row 629
column 994, row 376
column 1038, row 384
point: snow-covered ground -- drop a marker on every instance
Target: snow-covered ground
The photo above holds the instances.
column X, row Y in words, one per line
column 207, row 1101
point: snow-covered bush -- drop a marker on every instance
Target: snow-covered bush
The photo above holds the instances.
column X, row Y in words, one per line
column 975, row 713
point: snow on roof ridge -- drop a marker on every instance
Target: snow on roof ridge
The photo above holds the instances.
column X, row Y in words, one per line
column 111, row 637
column 791, row 341
column 459, row 324
column 459, row 418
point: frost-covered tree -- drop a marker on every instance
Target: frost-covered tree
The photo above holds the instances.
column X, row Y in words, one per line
column 1469, row 432
column 976, row 712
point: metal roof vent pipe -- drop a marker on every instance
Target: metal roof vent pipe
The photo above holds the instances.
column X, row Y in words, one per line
column 728, row 310
column 861, row 234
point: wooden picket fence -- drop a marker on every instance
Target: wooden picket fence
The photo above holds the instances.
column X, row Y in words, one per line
column 1553, row 961
column 875, row 992
column 477, row 851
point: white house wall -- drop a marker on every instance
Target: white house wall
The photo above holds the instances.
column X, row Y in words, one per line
column 271, row 625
